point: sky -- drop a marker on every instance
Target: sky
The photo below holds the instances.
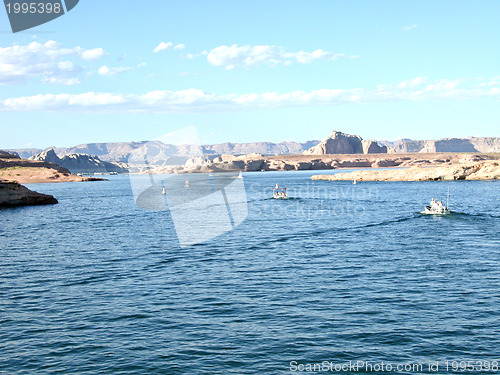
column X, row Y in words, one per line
column 121, row 71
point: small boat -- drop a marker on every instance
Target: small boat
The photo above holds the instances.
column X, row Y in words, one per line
column 437, row 208
column 164, row 191
column 354, row 182
column 440, row 210
column 279, row 192
column 240, row 175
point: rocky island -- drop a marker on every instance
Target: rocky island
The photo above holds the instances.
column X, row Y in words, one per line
column 13, row 194
column 482, row 170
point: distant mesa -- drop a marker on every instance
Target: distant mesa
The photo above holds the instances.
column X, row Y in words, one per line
column 113, row 157
column 159, row 152
column 341, row 143
column 79, row 163
column 469, row 144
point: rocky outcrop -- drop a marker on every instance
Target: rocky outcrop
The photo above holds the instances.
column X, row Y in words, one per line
column 337, row 143
column 13, row 194
column 79, row 163
column 341, row 143
column 484, row 170
column 48, row 156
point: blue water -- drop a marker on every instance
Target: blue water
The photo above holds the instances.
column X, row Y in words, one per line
column 339, row 273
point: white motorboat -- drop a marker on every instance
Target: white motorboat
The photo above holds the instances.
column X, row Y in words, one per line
column 279, row 193
column 429, row 210
column 437, row 208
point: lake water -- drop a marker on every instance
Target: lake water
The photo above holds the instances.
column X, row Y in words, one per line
column 338, row 273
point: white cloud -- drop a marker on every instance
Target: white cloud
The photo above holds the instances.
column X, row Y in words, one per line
column 191, row 56
column 164, row 46
column 234, row 56
column 417, row 81
column 198, row 101
column 93, row 54
column 106, row 71
column 408, row 28
column 48, row 62
column 188, row 74
column 443, row 85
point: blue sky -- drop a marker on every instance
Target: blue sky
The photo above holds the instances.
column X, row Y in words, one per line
column 252, row 71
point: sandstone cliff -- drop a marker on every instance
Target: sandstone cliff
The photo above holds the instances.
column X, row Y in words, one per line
column 470, row 144
column 341, row 143
column 12, row 194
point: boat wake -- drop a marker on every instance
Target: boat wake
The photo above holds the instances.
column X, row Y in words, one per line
column 329, row 230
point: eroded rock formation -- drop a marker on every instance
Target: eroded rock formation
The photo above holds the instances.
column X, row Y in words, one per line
column 341, row 143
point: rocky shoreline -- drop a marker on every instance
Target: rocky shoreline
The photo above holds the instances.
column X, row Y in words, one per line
column 13, row 194
column 257, row 162
column 483, row 170
column 15, row 169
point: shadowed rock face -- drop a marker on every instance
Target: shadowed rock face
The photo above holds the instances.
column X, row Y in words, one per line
column 13, row 194
column 372, row 147
column 8, row 155
column 341, row 143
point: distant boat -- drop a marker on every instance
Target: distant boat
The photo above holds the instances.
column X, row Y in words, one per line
column 354, row 182
column 437, row 208
column 429, row 210
column 164, row 191
column 279, row 193
column 240, row 175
